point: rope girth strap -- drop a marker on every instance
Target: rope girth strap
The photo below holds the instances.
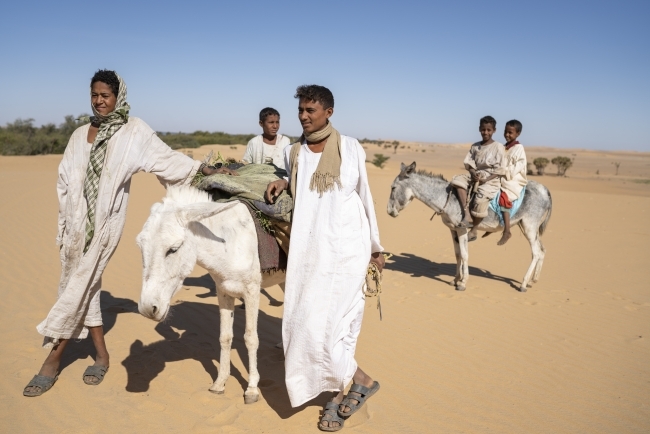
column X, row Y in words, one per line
column 435, row 213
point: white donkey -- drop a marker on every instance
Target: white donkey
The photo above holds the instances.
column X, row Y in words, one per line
column 532, row 217
column 188, row 228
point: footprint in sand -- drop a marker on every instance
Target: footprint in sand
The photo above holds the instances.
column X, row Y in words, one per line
column 222, row 418
column 616, row 297
column 149, row 406
column 360, row 417
column 216, row 402
column 24, row 373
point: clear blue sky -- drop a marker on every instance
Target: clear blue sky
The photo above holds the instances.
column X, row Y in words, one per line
column 576, row 73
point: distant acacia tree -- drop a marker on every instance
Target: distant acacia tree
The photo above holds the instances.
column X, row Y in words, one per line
column 540, row 164
column 380, row 160
column 617, row 164
column 395, row 146
column 563, row 164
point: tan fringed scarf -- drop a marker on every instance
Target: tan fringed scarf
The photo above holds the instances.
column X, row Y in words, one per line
column 328, row 172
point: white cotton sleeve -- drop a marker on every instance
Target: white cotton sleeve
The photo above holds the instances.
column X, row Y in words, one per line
column 363, row 189
column 519, row 163
column 171, row 167
column 287, row 154
column 500, row 162
column 248, row 153
column 469, row 160
column 62, row 191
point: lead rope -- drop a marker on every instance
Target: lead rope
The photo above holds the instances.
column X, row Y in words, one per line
column 373, row 275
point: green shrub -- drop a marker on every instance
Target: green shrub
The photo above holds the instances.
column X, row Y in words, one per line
column 540, row 164
column 380, row 160
column 563, row 164
column 21, row 137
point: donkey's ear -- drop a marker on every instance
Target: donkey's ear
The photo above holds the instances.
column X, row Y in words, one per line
column 198, row 211
column 405, row 170
column 410, row 168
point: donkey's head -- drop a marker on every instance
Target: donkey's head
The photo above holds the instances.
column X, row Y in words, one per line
column 167, row 244
column 401, row 193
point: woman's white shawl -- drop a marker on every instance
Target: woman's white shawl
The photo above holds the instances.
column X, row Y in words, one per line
column 332, row 238
column 134, row 148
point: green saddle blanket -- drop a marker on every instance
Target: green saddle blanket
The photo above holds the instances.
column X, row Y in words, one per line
column 250, row 187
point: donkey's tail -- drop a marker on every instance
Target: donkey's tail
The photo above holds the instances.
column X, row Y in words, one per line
column 542, row 227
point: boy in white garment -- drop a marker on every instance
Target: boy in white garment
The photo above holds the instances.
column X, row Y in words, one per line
column 268, row 147
column 485, row 163
column 514, row 180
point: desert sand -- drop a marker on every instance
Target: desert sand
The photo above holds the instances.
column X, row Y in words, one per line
column 569, row 356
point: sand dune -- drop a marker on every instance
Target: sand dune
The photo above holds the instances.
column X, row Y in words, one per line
column 569, row 356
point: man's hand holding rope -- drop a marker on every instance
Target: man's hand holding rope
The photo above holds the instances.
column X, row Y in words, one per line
column 379, row 260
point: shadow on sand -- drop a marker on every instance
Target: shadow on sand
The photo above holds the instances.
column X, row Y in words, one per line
column 199, row 340
column 111, row 307
column 418, row 266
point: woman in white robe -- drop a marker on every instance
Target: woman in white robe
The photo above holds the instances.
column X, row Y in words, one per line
column 133, row 148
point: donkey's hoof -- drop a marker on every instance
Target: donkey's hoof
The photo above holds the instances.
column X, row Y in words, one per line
column 522, row 289
column 216, row 390
column 252, row 399
column 460, row 287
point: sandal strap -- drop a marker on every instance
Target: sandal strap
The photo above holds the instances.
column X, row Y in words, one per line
column 346, row 402
column 41, row 381
column 330, row 414
column 96, row 371
column 365, row 393
column 359, row 388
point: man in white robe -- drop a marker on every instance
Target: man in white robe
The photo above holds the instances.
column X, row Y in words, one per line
column 334, row 235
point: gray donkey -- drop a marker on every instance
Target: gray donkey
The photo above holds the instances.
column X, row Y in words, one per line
column 436, row 192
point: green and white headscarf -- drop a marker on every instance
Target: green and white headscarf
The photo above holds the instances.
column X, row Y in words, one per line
column 108, row 125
